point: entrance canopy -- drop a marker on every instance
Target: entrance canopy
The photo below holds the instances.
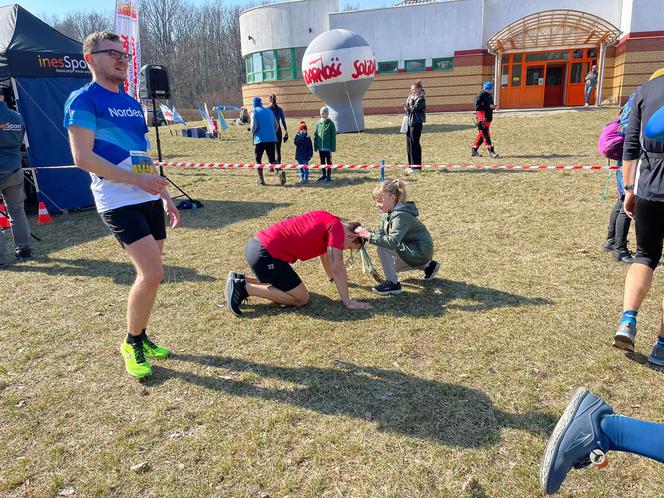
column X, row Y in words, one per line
column 554, row 29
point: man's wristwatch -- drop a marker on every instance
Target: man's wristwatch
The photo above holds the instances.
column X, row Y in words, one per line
column 629, row 188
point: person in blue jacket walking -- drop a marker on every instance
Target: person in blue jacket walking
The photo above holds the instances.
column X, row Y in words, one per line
column 263, row 126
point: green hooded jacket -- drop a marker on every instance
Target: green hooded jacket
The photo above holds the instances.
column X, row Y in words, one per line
column 401, row 231
column 325, row 136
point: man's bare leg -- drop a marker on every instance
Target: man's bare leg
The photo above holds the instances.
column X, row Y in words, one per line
column 637, row 285
column 145, row 254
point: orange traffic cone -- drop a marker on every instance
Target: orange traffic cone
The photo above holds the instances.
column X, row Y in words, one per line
column 4, row 218
column 43, row 216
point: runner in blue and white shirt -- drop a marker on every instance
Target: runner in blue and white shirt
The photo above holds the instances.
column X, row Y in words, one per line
column 107, row 133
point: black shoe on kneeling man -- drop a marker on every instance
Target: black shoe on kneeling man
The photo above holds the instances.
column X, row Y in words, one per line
column 236, row 292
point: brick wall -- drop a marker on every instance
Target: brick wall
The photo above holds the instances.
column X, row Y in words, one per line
column 635, row 58
column 449, row 90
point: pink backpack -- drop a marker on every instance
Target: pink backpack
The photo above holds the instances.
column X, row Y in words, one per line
column 611, row 140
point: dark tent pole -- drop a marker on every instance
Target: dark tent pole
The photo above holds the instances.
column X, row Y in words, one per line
column 161, row 167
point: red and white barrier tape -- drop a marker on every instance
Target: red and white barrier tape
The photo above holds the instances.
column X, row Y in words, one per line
column 193, row 165
column 505, row 167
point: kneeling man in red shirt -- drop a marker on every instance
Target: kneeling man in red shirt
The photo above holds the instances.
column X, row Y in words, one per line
column 271, row 252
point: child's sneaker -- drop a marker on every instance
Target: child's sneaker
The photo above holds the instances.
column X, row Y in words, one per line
column 322, row 178
column 152, row 350
column 577, row 434
column 657, row 355
column 387, row 288
column 494, row 155
column 135, row 362
column 473, row 152
column 625, row 336
column 431, row 270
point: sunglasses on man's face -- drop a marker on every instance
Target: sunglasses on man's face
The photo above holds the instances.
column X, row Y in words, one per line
column 115, row 54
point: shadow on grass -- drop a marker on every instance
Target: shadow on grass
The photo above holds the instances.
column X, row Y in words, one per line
column 448, row 414
column 642, row 359
column 120, row 272
column 82, row 227
column 419, row 299
column 428, row 128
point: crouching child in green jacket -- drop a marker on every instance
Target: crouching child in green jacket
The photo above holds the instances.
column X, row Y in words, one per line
column 403, row 242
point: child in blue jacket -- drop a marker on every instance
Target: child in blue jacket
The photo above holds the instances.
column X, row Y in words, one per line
column 304, row 150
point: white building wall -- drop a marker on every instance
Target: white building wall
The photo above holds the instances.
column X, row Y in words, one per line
column 647, row 15
column 500, row 13
column 284, row 25
column 626, row 16
column 417, row 32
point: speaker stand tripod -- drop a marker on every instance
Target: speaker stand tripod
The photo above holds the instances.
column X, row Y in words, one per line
column 199, row 204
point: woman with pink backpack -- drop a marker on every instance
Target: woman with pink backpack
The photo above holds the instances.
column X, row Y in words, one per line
column 610, row 145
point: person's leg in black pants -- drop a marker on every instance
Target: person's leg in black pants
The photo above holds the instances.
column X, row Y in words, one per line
column 622, row 224
column 270, row 149
column 259, row 148
column 326, row 173
column 610, row 241
column 409, row 149
column 280, row 137
column 415, row 132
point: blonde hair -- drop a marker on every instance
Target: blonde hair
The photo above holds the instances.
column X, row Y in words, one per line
column 91, row 42
column 396, row 187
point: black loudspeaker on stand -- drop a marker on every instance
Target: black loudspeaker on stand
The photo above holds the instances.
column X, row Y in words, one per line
column 155, row 85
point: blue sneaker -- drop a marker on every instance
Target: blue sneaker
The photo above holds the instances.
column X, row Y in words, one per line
column 387, row 288
column 657, row 355
column 624, row 338
column 576, row 436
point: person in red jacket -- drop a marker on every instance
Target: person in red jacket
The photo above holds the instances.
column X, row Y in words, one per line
column 484, row 108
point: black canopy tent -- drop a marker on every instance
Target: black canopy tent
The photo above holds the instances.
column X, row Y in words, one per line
column 42, row 67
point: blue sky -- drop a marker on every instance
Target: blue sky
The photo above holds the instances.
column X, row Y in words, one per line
column 50, row 7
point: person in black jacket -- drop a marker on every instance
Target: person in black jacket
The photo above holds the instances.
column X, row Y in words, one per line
column 484, row 107
column 415, row 109
column 643, row 174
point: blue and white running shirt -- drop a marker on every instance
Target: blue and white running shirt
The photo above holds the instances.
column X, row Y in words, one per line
column 120, row 137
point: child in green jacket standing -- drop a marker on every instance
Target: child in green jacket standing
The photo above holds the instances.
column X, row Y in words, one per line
column 325, row 142
column 403, row 242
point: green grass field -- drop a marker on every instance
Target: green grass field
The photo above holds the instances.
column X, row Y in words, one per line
column 450, row 389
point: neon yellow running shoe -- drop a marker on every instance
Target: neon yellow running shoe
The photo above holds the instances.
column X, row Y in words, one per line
column 152, row 350
column 135, row 362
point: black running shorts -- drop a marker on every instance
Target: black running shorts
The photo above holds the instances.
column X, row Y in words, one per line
column 133, row 222
column 269, row 270
column 649, row 220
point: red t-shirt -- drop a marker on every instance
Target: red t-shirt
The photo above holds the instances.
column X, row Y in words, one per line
column 303, row 237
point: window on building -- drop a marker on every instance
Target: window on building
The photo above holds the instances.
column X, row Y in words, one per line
column 577, row 54
column 285, row 64
column 249, row 69
column 257, row 66
column 505, row 76
column 577, row 74
column 415, row 65
column 535, row 76
column 592, row 53
column 505, row 59
column 516, row 75
column 388, row 67
column 442, row 63
column 517, row 57
column 547, row 56
column 269, row 65
column 299, row 55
